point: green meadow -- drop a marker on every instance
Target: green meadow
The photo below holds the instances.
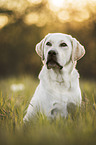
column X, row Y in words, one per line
column 79, row 128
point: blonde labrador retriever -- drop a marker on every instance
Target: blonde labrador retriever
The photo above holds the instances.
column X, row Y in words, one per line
column 59, row 79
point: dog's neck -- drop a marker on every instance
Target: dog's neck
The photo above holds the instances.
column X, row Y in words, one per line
column 61, row 77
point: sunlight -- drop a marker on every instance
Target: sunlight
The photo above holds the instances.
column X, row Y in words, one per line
column 55, row 5
column 83, row 15
column 3, row 21
column 63, row 16
column 31, row 18
column 35, row 1
column 68, row 10
column 63, row 10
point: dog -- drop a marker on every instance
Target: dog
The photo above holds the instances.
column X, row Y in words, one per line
column 59, row 79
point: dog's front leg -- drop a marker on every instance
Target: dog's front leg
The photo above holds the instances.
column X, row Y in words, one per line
column 32, row 110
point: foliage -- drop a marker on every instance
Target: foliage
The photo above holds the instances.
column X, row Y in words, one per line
column 77, row 129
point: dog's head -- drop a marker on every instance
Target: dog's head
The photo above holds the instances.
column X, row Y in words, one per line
column 57, row 50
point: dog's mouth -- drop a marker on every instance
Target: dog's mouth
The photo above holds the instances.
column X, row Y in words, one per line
column 53, row 64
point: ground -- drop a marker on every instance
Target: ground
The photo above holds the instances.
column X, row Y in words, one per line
column 79, row 128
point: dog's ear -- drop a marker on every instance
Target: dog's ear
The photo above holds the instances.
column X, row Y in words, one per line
column 40, row 47
column 77, row 51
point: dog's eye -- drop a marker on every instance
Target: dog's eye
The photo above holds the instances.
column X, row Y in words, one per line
column 63, row 44
column 49, row 44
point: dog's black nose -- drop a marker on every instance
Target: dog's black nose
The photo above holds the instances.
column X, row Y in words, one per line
column 52, row 53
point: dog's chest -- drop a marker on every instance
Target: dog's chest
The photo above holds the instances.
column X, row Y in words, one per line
column 57, row 92
column 55, row 107
column 53, row 102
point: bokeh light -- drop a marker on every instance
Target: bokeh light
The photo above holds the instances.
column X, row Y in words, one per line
column 64, row 10
column 31, row 18
column 3, row 20
column 72, row 10
column 35, row 1
column 56, row 5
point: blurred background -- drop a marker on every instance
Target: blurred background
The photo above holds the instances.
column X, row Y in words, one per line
column 23, row 23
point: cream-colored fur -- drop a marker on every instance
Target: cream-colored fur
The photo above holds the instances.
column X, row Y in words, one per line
column 57, row 87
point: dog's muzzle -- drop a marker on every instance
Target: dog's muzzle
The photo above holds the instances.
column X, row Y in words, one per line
column 52, row 60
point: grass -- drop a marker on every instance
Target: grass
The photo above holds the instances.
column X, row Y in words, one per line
column 77, row 129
